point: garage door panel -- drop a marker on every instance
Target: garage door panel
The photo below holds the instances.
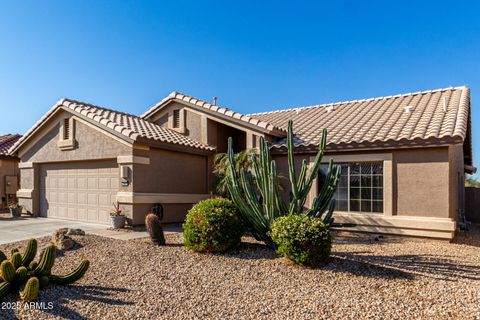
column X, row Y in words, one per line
column 78, row 190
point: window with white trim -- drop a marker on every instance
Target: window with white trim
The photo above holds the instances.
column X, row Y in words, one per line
column 360, row 188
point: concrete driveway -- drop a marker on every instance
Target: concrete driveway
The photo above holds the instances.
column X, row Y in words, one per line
column 18, row 229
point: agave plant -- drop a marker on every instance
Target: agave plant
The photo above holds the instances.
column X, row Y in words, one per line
column 257, row 194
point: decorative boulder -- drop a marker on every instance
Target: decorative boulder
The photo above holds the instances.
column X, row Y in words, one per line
column 75, row 232
column 62, row 241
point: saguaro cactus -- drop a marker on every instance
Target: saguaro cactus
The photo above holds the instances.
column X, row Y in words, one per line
column 260, row 201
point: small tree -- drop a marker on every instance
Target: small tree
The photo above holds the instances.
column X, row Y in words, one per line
column 258, row 196
column 221, row 168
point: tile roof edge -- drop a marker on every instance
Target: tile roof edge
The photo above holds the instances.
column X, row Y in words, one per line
column 72, row 105
column 263, row 125
column 358, row 100
column 129, row 133
column 35, row 126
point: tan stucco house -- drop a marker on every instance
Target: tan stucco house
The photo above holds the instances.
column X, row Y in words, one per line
column 9, row 172
column 403, row 157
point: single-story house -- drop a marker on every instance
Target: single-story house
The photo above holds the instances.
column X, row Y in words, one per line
column 9, row 172
column 403, row 157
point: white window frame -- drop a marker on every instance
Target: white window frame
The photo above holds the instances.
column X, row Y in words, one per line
column 386, row 158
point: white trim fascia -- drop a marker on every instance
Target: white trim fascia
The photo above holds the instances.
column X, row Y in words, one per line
column 25, row 165
column 130, row 159
column 25, row 193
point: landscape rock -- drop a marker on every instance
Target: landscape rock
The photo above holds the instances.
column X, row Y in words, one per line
column 62, row 241
column 75, row 232
column 396, row 278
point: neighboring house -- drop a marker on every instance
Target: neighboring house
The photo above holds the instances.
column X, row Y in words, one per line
column 8, row 170
column 403, row 157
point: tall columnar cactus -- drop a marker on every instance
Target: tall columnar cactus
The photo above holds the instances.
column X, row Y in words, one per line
column 21, row 270
column 260, row 200
column 30, row 252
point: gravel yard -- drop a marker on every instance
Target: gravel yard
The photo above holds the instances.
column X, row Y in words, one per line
column 392, row 278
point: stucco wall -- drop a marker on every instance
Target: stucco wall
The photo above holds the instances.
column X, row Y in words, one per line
column 171, row 172
column 171, row 212
column 193, row 125
column 421, row 182
column 456, row 181
column 91, row 144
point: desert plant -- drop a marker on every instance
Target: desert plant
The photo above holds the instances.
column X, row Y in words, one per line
column 213, row 225
column 30, row 292
column 14, row 274
column 2, row 256
column 243, row 160
column 221, row 167
column 29, row 253
column 16, row 259
column 302, row 239
column 260, row 201
column 72, row 276
column 154, row 228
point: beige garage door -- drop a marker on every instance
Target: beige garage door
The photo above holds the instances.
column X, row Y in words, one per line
column 78, row 190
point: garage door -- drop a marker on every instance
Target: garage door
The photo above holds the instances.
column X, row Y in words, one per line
column 78, row 190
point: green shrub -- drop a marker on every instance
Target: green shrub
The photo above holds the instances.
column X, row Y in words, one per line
column 213, row 225
column 302, row 239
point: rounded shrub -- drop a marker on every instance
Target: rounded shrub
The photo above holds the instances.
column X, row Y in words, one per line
column 213, row 225
column 302, row 239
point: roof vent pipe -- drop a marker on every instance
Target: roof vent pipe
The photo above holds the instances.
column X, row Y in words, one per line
column 330, row 108
column 214, row 101
column 408, row 109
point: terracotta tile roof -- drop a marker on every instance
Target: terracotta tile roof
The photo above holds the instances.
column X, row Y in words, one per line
column 428, row 115
column 129, row 126
column 6, row 142
column 263, row 125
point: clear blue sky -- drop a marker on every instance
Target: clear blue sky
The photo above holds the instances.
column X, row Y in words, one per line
column 254, row 56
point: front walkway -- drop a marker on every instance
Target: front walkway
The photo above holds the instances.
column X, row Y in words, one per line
column 18, row 229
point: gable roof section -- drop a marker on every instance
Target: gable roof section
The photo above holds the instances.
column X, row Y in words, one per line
column 263, row 126
column 415, row 118
column 6, row 142
column 126, row 126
